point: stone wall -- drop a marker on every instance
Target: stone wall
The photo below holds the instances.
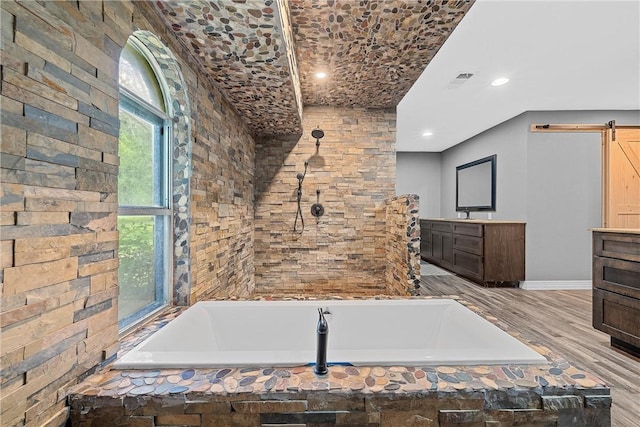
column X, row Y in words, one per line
column 59, row 195
column 222, row 200
column 343, row 251
column 222, row 182
column 429, row 408
column 402, row 245
column 59, row 202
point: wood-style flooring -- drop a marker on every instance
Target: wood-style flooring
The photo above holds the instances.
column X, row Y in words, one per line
column 561, row 320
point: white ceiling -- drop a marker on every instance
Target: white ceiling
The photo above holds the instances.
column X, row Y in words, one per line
column 558, row 55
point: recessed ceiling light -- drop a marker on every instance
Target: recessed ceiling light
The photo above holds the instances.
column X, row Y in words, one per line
column 321, row 75
column 499, row 81
column 427, row 133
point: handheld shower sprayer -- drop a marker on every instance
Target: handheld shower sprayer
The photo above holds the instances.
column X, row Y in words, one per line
column 300, row 178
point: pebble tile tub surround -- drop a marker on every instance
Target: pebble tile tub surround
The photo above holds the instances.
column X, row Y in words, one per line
column 557, row 393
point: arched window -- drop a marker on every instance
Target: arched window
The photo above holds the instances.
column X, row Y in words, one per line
column 144, row 187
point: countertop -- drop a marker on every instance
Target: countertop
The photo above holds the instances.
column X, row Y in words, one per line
column 617, row 230
column 473, row 221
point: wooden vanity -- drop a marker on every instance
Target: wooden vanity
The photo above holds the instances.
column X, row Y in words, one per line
column 616, row 286
column 491, row 253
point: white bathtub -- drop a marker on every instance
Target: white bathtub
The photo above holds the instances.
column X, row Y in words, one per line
column 361, row 332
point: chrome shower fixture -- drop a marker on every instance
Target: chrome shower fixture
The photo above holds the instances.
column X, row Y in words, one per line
column 318, row 134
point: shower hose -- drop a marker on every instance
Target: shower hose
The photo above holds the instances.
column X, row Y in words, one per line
column 300, row 177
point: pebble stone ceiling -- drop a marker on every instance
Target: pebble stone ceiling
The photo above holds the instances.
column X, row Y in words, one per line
column 264, row 54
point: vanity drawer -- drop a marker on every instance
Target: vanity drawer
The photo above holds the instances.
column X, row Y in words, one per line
column 441, row 226
column 470, row 244
column 468, row 229
column 614, row 245
column 615, row 275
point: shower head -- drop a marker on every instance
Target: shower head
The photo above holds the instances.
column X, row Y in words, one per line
column 317, row 134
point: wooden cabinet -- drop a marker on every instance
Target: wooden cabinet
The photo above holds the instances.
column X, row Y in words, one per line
column 425, row 239
column 442, row 246
column 616, row 286
column 490, row 253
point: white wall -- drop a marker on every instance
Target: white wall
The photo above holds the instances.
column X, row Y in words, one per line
column 550, row 180
column 419, row 173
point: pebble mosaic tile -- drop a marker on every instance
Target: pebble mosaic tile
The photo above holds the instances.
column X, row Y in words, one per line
column 244, row 47
column 264, row 54
column 372, row 50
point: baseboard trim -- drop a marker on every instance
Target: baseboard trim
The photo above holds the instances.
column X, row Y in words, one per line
column 555, row 285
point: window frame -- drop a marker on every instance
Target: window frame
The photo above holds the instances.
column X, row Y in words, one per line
column 162, row 210
column 152, row 115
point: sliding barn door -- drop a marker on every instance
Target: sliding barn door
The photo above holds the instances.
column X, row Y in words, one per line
column 622, row 178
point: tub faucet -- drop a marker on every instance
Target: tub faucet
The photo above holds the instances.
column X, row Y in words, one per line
column 321, row 351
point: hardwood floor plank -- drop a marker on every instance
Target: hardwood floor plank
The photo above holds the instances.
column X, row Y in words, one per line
column 560, row 320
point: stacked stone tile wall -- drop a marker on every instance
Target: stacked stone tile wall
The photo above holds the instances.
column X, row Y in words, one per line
column 402, row 246
column 59, row 195
column 342, row 252
column 578, row 407
column 59, row 202
column 222, row 200
column 222, row 182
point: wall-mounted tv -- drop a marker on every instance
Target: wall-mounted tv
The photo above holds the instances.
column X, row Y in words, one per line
column 476, row 186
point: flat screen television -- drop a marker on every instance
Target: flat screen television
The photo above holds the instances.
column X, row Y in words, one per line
column 476, row 186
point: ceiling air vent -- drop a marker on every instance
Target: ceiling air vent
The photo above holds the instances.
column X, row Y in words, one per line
column 464, row 76
column 459, row 80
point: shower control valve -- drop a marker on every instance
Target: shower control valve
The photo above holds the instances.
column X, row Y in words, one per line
column 317, row 210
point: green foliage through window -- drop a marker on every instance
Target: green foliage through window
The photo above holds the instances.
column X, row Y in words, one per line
column 136, row 273
column 135, row 180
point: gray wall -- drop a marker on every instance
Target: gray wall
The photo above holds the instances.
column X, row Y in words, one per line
column 419, row 173
column 550, row 180
column 564, row 201
column 508, row 142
